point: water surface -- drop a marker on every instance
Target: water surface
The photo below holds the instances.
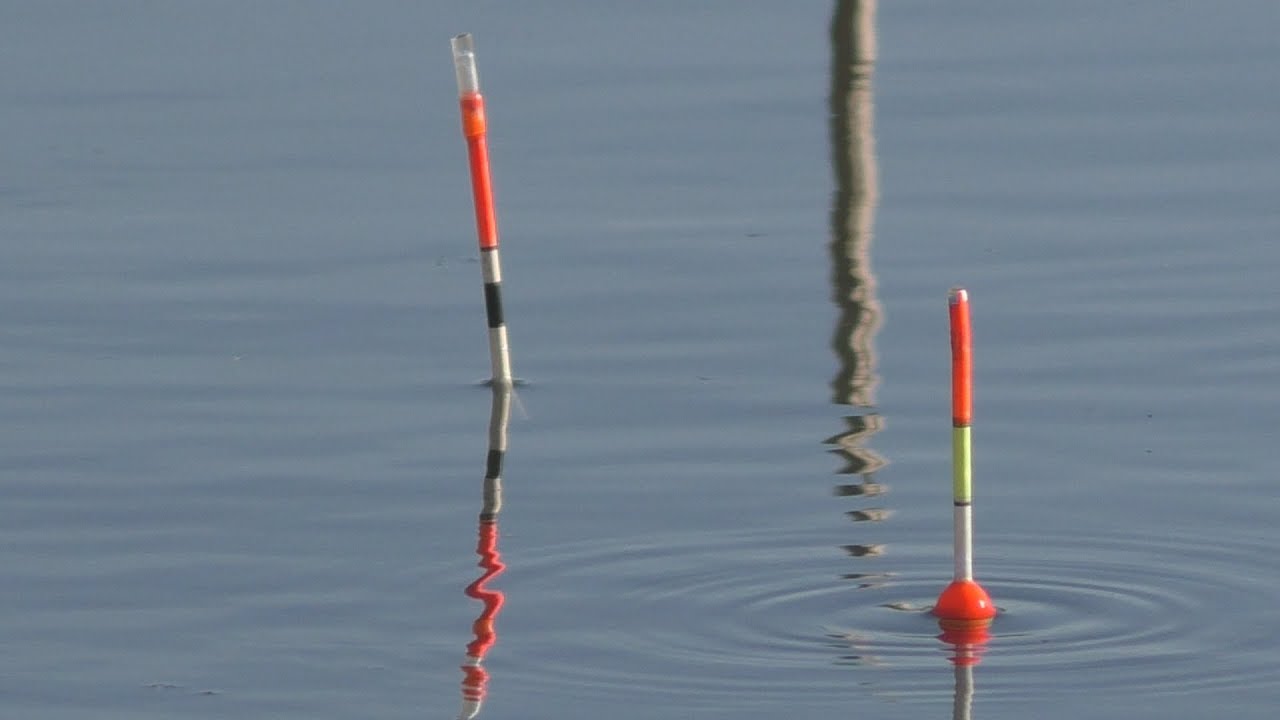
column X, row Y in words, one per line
column 242, row 334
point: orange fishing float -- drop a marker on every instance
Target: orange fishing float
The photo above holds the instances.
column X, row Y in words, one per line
column 964, row 604
column 474, row 129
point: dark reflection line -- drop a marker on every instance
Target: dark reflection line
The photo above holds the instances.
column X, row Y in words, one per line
column 853, row 161
column 475, row 678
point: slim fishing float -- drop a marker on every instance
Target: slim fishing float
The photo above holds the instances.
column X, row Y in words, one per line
column 474, row 128
column 963, row 604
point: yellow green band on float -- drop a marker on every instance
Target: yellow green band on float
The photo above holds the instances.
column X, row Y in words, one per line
column 961, row 465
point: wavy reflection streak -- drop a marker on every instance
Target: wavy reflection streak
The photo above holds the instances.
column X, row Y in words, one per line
column 475, row 679
column 853, row 284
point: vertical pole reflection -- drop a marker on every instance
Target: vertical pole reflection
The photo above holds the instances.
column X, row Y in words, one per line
column 474, row 677
column 962, row 701
column 853, row 160
column 967, row 647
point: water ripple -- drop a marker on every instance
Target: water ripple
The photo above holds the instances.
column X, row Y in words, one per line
column 721, row 616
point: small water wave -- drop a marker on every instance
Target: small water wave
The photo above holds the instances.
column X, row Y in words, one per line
column 733, row 615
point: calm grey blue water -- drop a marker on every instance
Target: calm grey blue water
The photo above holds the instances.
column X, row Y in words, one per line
column 241, row 335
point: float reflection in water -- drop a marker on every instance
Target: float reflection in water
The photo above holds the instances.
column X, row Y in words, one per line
column 475, row 678
column 967, row 648
column 853, row 286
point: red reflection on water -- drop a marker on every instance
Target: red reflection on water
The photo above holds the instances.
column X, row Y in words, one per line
column 967, row 644
column 474, row 677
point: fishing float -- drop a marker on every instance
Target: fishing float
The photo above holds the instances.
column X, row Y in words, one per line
column 474, row 128
column 963, row 605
